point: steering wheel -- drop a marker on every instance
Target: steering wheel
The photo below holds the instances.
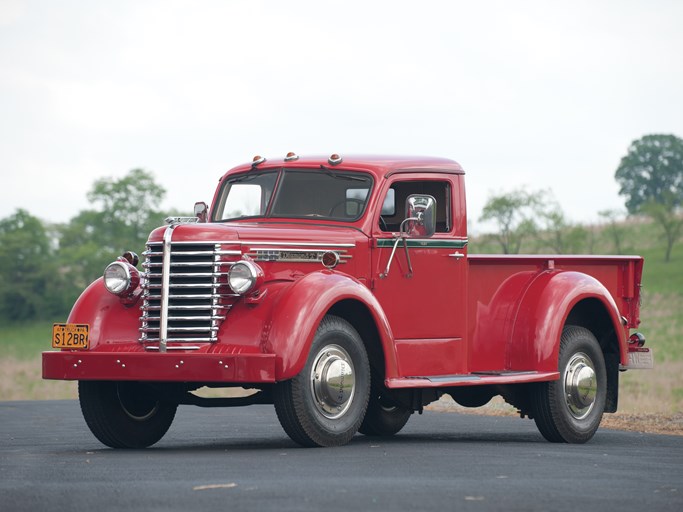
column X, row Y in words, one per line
column 359, row 202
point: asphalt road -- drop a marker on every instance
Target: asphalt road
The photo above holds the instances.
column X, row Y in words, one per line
column 240, row 459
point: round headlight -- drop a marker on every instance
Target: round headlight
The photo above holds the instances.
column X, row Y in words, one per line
column 121, row 278
column 242, row 276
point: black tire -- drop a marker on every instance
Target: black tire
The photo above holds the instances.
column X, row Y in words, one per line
column 124, row 414
column 472, row 396
column 325, row 404
column 383, row 417
column 569, row 410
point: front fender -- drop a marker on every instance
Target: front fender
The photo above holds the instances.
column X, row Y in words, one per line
column 534, row 342
column 299, row 310
column 110, row 321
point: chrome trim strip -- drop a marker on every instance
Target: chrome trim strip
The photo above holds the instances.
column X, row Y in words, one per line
column 193, row 347
column 184, row 329
column 425, row 243
column 251, row 242
column 165, row 282
column 303, row 255
column 189, row 263
column 178, row 308
column 295, row 244
column 196, row 274
column 304, row 250
column 191, row 285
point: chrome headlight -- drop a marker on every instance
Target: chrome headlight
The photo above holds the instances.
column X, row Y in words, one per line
column 121, row 278
column 243, row 276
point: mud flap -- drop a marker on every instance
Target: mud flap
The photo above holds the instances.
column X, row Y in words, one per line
column 612, row 367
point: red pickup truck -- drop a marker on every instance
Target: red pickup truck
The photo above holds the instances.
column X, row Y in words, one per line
column 341, row 291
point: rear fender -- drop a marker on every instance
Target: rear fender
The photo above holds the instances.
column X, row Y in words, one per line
column 299, row 310
column 534, row 342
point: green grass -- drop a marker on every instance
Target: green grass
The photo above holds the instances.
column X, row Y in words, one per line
column 25, row 341
column 662, row 298
column 661, row 314
column 660, row 276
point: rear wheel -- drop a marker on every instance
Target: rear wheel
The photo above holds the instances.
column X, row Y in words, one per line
column 124, row 414
column 569, row 410
column 324, row 405
column 383, row 417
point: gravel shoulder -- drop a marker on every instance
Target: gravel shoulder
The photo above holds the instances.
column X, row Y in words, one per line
column 650, row 423
column 21, row 380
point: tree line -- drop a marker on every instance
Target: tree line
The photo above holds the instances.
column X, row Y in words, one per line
column 650, row 177
column 44, row 267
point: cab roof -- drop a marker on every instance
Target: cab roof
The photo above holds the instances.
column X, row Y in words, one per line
column 379, row 165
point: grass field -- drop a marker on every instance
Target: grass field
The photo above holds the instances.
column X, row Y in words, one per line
column 642, row 392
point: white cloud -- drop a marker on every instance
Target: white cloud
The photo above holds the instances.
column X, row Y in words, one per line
column 542, row 94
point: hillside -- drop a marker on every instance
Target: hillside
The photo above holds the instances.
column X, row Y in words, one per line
column 643, row 393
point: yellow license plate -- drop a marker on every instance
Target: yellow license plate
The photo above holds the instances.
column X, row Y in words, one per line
column 70, row 335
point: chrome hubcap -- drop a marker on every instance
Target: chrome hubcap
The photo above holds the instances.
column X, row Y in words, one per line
column 333, row 381
column 580, row 385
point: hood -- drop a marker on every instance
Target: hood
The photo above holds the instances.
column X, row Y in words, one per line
column 240, row 232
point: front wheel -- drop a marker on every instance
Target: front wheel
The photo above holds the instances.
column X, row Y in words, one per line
column 569, row 410
column 124, row 414
column 325, row 403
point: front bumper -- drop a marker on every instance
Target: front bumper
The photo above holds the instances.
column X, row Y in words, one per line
column 159, row 367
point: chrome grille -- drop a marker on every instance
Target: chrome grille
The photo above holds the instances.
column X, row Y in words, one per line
column 198, row 295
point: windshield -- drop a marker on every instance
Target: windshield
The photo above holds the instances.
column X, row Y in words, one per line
column 303, row 193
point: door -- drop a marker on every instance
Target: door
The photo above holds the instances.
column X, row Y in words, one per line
column 426, row 308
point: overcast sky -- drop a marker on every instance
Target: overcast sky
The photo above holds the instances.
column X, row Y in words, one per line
column 533, row 94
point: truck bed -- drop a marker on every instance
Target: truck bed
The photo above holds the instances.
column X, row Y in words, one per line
column 501, row 286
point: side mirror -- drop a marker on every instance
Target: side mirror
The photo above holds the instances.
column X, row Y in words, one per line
column 420, row 222
column 201, row 211
column 421, row 216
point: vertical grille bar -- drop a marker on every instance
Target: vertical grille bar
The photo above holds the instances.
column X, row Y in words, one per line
column 165, row 284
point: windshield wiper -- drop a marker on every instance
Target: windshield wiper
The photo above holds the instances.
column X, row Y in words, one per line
column 342, row 176
column 244, row 177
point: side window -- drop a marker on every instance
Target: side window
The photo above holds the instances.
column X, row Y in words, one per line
column 389, row 205
column 393, row 208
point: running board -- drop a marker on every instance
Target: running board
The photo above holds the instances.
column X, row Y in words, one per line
column 470, row 379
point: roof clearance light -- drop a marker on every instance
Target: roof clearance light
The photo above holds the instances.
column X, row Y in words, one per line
column 335, row 159
column 291, row 156
column 257, row 160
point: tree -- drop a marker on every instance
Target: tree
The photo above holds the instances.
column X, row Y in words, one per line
column 652, row 170
column 29, row 276
column 126, row 211
column 671, row 224
column 129, row 206
column 615, row 228
column 651, row 178
column 559, row 234
column 515, row 214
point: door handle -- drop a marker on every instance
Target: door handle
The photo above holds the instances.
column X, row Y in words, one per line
column 456, row 255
